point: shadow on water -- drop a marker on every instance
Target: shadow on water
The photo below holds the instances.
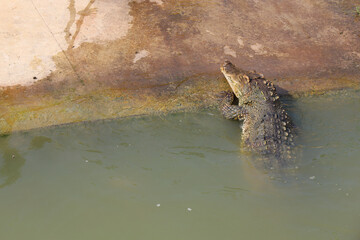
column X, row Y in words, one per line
column 38, row 142
column 12, row 160
column 10, row 170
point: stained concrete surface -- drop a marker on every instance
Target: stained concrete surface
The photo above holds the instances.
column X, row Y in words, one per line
column 67, row 61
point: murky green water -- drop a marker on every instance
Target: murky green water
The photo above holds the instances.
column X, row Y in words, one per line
column 139, row 179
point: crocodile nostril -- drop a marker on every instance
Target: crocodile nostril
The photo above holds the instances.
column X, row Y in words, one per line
column 226, row 62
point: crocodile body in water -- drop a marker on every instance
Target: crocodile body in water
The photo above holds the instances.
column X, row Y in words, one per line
column 267, row 129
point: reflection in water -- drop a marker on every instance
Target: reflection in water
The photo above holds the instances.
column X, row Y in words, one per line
column 133, row 178
column 12, row 162
column 38, row 142
column 10, row 167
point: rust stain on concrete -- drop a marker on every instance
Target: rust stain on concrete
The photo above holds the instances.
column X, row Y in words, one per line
column 87, row 11
column 169, row 58
column 72, row 16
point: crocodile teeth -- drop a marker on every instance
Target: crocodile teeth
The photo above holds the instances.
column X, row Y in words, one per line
column 286, row 134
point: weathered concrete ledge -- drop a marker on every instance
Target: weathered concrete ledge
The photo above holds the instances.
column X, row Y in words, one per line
column 73, row 61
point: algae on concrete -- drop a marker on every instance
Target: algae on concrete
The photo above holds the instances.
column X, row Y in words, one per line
column 84, row 60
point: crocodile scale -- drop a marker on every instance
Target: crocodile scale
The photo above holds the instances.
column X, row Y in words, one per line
column 267, row 129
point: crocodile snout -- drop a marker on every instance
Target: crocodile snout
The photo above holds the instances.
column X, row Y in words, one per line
column 228, row 67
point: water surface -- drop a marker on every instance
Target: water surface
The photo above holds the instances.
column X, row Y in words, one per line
column 182, row 176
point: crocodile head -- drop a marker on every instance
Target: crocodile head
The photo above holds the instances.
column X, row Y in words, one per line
column 238, row 79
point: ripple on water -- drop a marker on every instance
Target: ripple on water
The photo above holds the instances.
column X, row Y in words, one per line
column 110, row 178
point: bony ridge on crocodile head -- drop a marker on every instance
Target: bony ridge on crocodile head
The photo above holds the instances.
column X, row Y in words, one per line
column 238, row 79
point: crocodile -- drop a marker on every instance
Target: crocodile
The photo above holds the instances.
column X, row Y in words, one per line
column 267, row 129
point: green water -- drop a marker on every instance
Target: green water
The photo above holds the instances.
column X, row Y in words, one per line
column 104, row 180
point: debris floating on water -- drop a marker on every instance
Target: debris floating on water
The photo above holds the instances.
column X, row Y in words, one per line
column 158, row 205
column 86, row 161
column 189, row 209
column 312, row 177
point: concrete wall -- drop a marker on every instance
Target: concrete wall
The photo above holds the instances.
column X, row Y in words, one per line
column 67, row 61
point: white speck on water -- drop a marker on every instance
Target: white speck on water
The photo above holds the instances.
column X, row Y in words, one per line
column 339, row 189
column 312, row 177
column 13, row 156
column 158, row 205
column 347, row 194
column 86, row 161
column 189, row 209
